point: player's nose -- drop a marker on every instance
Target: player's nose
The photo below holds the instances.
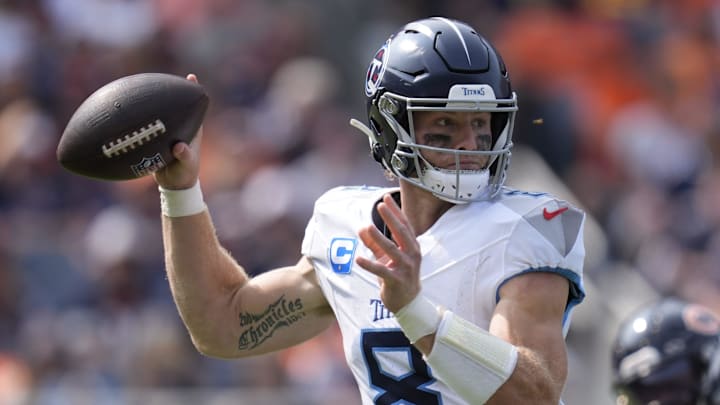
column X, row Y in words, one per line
column 467, row 138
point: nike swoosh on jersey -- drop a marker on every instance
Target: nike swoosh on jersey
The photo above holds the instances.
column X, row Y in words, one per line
column 552, row 214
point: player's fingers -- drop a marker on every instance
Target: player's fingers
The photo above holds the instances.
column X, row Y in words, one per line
column 184, row 152
column 395, row 209
column 375, row 241
column 374, row 267
column 398, row 224
column 381, row 247
column 181, row 151
column 192, row 77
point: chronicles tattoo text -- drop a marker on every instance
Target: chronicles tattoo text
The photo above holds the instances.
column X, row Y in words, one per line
column 261, row 327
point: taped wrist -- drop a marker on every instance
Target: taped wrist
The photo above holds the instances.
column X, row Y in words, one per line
column 418, row 318
column 182, row 203
column 469, row 360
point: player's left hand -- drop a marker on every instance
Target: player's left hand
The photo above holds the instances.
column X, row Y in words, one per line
column 397, row 263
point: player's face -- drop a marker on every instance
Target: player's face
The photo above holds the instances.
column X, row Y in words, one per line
column 454, row 130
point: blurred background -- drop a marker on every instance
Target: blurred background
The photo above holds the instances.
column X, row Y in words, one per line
column 628, row 93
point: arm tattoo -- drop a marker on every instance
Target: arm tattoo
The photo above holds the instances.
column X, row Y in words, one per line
column 257, row 328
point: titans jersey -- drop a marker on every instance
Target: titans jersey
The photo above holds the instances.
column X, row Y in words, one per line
column 467, row 255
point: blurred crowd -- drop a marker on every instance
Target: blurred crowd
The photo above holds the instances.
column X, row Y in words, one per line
column 619, row 101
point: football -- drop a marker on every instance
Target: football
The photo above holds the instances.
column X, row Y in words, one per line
column 127, row 128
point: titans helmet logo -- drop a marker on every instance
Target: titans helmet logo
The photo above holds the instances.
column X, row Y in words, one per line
column 376, row 70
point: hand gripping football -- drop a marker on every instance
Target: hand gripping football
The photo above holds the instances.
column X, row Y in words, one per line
column 127, row 128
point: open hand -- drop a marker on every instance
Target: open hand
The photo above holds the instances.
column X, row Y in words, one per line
column 397, row 263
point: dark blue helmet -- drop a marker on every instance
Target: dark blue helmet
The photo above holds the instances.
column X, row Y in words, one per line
column 666, row 353
column 438, row 64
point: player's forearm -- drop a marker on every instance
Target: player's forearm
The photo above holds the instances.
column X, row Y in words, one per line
column 532, row 381
column 482, row 367
column 203, row 279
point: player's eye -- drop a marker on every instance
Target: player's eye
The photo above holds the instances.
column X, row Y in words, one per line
column 480, row 123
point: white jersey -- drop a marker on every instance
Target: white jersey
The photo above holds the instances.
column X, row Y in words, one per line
column 467, row 255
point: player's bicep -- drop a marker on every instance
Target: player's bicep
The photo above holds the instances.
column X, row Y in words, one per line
column 529, row 301
column 279, row 309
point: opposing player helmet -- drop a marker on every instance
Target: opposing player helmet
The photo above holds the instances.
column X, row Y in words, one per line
column 667, row 353
column 438, row 64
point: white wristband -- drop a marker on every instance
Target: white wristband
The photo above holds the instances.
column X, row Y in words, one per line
column 182, row 203
column 418, row 318
column 471, row 361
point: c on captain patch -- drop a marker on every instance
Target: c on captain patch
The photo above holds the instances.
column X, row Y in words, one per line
column 342, row 252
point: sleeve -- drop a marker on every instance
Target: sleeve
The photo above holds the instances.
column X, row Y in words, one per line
column 307, row 243
column 548, row 238
column 313, row 227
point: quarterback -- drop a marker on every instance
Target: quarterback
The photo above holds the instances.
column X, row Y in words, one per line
column 449, row 288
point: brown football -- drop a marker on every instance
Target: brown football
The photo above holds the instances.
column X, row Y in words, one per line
column 127, row 128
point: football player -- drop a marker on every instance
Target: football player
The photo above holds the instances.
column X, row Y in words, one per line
column 667, row 353
column 448, row 288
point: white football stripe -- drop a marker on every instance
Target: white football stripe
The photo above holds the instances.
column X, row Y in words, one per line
column 457, row 31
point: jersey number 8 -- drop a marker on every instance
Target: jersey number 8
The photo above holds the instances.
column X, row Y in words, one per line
column 409, row 388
